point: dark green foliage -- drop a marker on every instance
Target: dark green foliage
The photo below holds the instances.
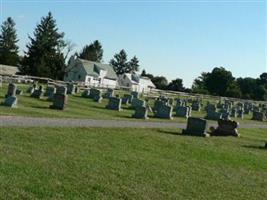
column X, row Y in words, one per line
column 8, row 47
column 121, row 64
column 92, row 52
column 176, row 85
column 147, row 75
column 221, row 82
column 218, row 81
column 199, row 85
column 45, row 51
column 134, row 64
column 160, row 82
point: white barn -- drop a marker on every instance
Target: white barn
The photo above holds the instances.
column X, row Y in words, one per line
column 136, row 82
column 91, row 73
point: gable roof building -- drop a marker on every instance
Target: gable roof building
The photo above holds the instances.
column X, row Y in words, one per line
column 91, row 73
column 136, row 82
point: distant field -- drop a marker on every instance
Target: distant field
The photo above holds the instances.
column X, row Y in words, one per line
column 95, row 163
column 79, row 107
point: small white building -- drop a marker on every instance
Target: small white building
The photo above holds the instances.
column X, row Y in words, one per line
column 91, row 73
column 136, row 82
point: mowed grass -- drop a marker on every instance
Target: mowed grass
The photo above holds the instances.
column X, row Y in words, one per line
column 79, row 107
column 97, row 163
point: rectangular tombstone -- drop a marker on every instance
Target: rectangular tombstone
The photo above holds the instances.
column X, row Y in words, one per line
column 164, row 111
column 86, row 93
column 11, row 101
column 137, row 103
column 11, row 90
column 94, row 92
column 71, row 88
column 127, row 98
column 114, row 103
column 141, row 112
column 19, row 92
column 226, row 115
column 61, row 90
column 180, row 102
column 240, row 114
column 109, row 93
column 49, row 92
column 60, row 98
column 259, row 116
column 135, row 94
column 196, row 127
column 196, row 106
column 98, row 97
column 233, row 113
column 211, row 108
column 213, row 115
column 31, row 88
column 183, row 111
column 38, row 93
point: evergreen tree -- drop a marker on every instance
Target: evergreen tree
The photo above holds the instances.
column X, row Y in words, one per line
column 8, row 39
column 120, row 63
column 45, row 51
column 176, row 85
column 134, row 65
column 93, row 52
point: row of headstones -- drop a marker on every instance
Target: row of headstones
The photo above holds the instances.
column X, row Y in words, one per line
column 59, row 96
column 39, row 92
column 236, row 112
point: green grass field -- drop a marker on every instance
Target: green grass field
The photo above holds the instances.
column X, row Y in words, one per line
column 95, row 163
column 79, row 107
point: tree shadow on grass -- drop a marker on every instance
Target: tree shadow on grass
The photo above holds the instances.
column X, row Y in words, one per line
column 179, row 133
column 255, row 147
column 40, row 107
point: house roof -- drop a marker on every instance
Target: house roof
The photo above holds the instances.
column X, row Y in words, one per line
column 8, row 70
column 93, row 68
column 137, row 79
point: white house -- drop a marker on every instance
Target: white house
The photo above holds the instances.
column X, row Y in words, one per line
column 91, row 73
column 136, row 82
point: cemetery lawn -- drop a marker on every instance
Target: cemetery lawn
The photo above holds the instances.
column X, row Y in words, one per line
column 79, row 107
column 129, row 163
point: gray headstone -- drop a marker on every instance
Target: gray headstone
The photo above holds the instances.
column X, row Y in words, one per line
column 183, row 111
column 141, row 112
column 213, row 115
column 71, row 88
column 11, row 101
column 137, row 103
column 86, row 93
column 135, row 94
column 196, row 127
column 259, row 116
column 60, row 98
column 11, row 90
column 164, row 111
column 38, row 93
column 114, row 103
column 49, row 92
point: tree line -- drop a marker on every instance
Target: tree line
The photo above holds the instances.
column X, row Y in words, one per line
column 47, row 53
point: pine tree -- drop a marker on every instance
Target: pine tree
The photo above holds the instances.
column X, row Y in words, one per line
column 120, row 63
column 45, row 55
column 8, row 39
column 134, row 65
column 93, row 52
